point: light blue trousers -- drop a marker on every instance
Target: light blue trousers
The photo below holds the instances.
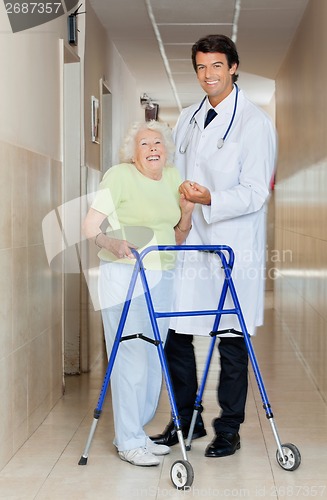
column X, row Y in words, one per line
column 136, row 376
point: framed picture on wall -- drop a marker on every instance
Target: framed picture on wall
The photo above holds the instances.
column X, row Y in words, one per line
column 95, row 119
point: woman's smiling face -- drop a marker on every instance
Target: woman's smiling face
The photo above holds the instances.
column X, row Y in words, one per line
column 150, row 153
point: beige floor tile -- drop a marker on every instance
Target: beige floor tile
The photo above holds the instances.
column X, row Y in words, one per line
column 46, row 466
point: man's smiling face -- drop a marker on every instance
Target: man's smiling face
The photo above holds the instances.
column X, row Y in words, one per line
column 214, row 75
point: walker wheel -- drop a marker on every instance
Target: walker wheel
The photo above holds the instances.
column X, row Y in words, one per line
column 181, row 474
column 292, row 457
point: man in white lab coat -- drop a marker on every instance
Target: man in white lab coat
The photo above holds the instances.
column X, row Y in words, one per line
column 227, row 166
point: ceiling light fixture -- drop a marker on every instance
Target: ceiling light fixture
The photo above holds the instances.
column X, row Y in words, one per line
column 146, row 101
column 237, row 11
column 151, row 108
column 163, row 54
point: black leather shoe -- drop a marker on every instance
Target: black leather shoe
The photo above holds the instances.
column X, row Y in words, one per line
column 224, row 444
column 169, row 436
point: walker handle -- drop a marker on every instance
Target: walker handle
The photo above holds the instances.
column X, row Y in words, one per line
column 218, row 249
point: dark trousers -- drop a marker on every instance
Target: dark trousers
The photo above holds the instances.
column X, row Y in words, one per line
column 233, row 379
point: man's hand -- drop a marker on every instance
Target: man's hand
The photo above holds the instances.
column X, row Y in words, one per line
column 192, row 191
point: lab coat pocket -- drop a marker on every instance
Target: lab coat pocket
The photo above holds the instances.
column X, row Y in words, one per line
column 225, row 159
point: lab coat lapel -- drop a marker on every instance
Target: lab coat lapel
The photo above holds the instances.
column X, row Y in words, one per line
column 201, row 115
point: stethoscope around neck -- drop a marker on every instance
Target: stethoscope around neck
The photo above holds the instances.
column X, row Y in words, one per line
column 190, row 128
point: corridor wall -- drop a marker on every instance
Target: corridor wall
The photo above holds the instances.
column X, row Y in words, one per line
column 31, row 177
column 301, row 193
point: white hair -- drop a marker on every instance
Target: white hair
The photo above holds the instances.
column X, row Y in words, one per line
column 127, row 151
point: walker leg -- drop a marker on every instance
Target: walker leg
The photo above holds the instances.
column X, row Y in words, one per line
column 84, row 457
column 198, row 399
column 288, row 455
column 191, row 430
column 277, row 439
column 163, row 361
column 113, row 354
column 182, row 443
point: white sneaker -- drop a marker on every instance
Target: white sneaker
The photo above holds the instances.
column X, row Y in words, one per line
column 139, row 456
column 156, row 449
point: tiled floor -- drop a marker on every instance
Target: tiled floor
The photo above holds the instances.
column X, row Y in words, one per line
column 46, row 467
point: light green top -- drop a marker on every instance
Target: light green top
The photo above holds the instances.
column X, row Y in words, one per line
column 141, row 210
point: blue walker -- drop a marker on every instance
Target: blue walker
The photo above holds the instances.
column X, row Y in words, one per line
column 181, row 473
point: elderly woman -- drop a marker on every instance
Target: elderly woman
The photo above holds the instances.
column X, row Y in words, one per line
column 139, row 198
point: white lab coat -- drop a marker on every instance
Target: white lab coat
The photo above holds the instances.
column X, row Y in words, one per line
column 238, row 176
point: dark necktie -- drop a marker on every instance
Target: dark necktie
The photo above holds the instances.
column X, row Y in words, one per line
column 210, row 116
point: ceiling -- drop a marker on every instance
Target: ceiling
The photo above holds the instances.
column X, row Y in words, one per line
column 154, row 37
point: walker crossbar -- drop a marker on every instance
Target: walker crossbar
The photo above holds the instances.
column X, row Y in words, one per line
column 228, row 285
column 139, row 336
column 225, row 332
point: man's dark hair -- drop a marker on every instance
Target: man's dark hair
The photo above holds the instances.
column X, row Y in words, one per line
column 217, row 43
